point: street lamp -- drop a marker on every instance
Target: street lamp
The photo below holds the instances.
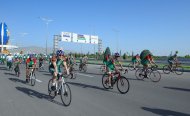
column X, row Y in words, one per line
column 47, row 21
column 117, row 39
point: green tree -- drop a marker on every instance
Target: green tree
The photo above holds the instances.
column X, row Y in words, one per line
column 124, row 56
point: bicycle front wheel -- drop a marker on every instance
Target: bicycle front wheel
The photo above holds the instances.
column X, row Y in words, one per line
column 52, row 93
column 123, row 85
column 139, row 74
column 105, row 81
column 155, row 76
column 33, row 79
column 66, row 94
column 179, row 70
column 166, row 69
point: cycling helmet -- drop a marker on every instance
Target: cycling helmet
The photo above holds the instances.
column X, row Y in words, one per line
column 176, row 52
column 31, row 55
column 59, row 52
column 116, row 55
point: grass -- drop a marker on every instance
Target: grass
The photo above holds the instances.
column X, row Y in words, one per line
column 186, row 67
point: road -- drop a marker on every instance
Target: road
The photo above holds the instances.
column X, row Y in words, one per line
column 169, row 97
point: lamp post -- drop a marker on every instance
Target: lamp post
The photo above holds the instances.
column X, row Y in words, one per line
column 47, row 21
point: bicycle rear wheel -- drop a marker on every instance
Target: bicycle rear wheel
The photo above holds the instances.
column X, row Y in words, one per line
column 84, row 68
column 33, row 79
column 123, row 85
column 139, row 74
column 105, row 81
column 52, row 93
column 166, row 69
column 179, row 70
column 66, row 94
column 155, row 76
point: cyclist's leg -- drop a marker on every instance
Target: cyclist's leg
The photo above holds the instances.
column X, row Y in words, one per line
column 53, row 87
column 27, row 74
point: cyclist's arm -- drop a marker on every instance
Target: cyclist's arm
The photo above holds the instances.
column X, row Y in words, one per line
column 65, row 65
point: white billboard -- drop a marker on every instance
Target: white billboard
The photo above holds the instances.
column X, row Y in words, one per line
column 81, row 38
column 66, row 36
column 93, row 39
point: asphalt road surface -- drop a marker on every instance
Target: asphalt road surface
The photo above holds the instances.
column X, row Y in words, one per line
column 169, row 97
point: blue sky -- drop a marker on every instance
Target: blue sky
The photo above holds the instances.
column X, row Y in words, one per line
column 161, row 26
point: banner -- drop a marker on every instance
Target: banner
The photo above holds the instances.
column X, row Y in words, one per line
column 93, row 39
column 80, row 38
column 66, row 36
column 4, row 34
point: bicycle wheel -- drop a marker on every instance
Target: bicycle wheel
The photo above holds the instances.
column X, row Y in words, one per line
column 80, row 68
column 155, row 76
column 179, row 70
column 123, row 85
column 33, row 79
column 166, row 69
column 52, row 93
column 84, row 68
column 65, row 94
column 131, row 67
column 139, row 74
column 105, row 81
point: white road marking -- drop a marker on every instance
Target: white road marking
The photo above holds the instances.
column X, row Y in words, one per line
column 84, row 75
column 38, row 80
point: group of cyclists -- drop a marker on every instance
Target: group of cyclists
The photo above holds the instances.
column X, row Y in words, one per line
column 145, row 58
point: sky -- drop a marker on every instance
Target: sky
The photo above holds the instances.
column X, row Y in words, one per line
column 161, row 26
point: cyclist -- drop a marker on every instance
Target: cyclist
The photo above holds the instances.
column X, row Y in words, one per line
column 146, row 60
column 112, row 65
column 30, row 65
column 9, row 60
column 71, row 60
column 41, row 59
column 17, row 61
column 55, row 67
column 83, row 61
column 135, row 60
column 172, row 60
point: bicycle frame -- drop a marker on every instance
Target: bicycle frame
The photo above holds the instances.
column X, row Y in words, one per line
column 60, row 83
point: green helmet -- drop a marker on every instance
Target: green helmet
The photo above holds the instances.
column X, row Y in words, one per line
column 176, row 52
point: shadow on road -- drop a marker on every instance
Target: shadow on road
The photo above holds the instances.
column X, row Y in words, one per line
column 33, row 93
column 48, row 74
column 17, row 80
column 89, row 86
column 42, row 71
column 176, row 88
column 13, row 74
column 3, row 68
column 91, row 73
column 163, row 112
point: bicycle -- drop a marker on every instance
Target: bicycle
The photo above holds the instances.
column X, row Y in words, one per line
column 102, row 69
column 17, row 70
column 131, row 66
column 83, row 67
column 72, row 72
column 41, row 66
column 116, row 78
column 151, row 73
column 32, row 77
column 62, row 89
column 9, row 66
column 177, row 68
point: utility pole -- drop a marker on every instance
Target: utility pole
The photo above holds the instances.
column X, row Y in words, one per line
column 47, row 21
